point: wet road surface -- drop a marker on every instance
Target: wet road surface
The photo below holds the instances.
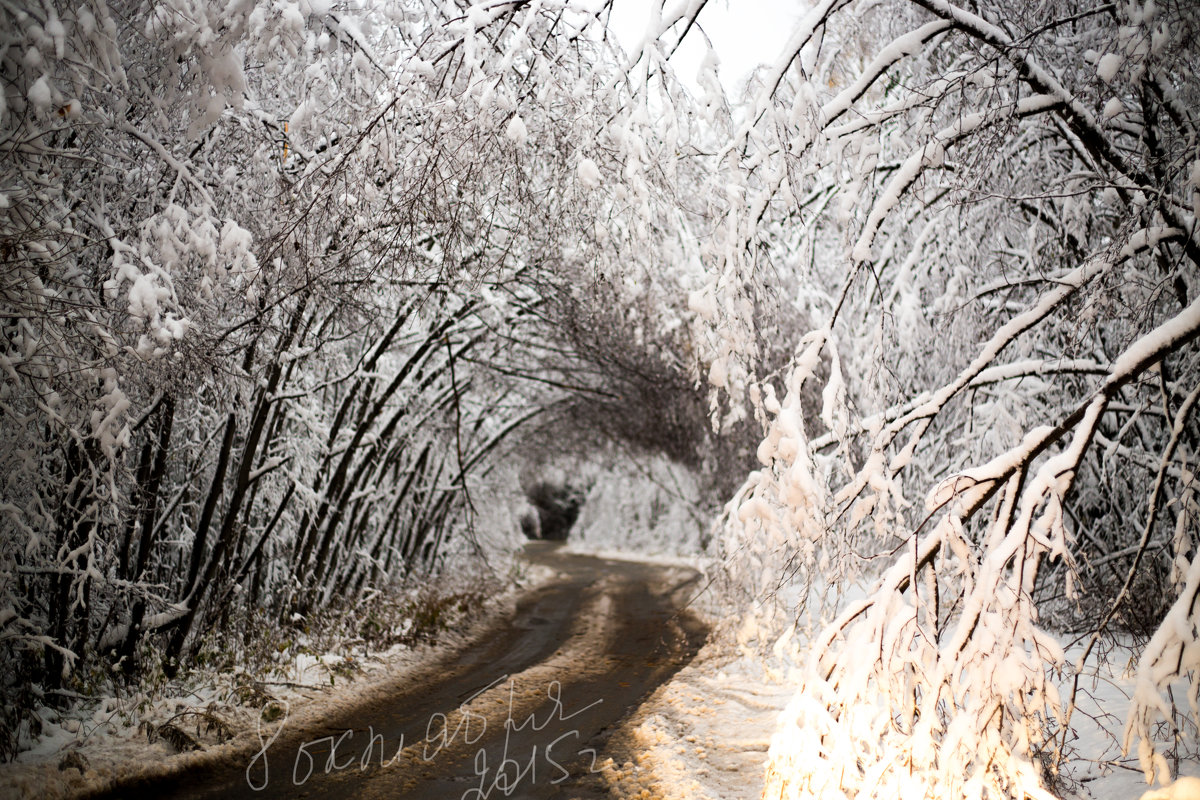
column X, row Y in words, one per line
column 524, row 711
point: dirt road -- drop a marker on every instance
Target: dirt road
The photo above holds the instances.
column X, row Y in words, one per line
column 524, row 711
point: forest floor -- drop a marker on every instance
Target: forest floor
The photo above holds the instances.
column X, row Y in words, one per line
column 526, row 706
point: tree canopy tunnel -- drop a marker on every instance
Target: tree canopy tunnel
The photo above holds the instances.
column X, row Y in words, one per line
column 279, row 290
column 625, row 406
column 261, row 281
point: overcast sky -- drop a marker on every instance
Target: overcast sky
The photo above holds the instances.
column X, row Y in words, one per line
column 744, row 33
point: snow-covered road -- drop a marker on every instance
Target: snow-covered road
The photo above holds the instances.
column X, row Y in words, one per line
column 524, row 711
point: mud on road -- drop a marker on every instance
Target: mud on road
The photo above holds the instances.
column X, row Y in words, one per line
column 523, row 711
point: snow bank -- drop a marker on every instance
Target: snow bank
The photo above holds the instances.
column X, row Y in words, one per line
column 704, row 734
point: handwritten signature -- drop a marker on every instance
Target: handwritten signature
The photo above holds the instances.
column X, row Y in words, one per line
column 509, row 772
column 503, row 775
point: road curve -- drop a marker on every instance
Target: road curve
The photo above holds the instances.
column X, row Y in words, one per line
column 524, row 711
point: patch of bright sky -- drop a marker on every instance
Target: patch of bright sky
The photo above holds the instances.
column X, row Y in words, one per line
column 744, row 35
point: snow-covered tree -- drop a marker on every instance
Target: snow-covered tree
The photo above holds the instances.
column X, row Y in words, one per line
column 992, row 209
column 266, row 269
column 279, row 278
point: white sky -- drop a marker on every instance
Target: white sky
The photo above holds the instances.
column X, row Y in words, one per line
column 744, row 33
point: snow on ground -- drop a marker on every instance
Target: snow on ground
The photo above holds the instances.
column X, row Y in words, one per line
column 703, row 735
column 662, row 559
column 96, row 743
column 1102, row 772
column 706, row 733
column 99, row 741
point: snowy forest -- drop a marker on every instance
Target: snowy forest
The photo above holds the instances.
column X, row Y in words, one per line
column 289, row 290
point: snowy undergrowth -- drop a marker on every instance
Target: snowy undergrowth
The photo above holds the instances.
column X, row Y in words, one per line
column 1099, row 768
column 216, row 709
column 711, row 731
column 298, row 671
